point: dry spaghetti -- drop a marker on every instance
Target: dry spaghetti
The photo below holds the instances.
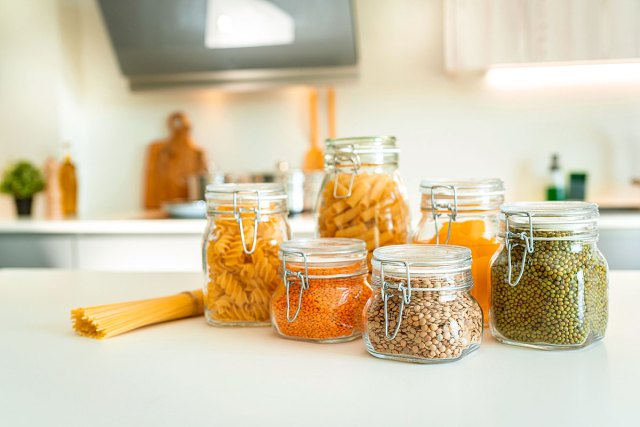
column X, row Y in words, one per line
column 105, row 321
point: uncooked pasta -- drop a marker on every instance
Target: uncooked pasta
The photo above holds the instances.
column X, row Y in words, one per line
column 240, row 284
column 366, row 206
column 105, row 321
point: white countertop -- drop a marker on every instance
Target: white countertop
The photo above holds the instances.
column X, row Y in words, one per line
column 187, row 373
column 300, row 224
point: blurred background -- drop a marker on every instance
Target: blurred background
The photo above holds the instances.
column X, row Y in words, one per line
column 543, row 94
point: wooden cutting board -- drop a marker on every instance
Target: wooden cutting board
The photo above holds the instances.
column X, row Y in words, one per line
column 170, row 162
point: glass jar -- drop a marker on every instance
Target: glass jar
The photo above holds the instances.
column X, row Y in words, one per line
column 465, row 213
column 246, row 224
column 362, row 195
column 422, row 309
column 550, row 281
column 323, row 290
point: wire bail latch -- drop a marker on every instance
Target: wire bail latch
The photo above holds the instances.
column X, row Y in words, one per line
column 298, row 276
column 239, row 214
column 452, row 209
column 345, row 157
column 403, row 293
column 521, row 239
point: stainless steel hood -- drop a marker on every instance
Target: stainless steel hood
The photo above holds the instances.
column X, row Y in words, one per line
column 165, row 43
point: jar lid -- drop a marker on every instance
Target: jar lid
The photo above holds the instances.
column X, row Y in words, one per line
column 563, row 210
column 462, row 194
column 363, row 145
column 323, row 250
column 420, row 259
column 247, row 190
column 579, row 217
column 257, row 195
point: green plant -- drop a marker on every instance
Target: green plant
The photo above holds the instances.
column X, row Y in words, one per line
column 22, row 180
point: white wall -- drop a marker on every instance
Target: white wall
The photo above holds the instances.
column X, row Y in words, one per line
column 446, row 126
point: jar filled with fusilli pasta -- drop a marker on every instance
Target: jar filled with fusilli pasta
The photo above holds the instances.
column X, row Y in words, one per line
column 246, row 224
column 362, row 194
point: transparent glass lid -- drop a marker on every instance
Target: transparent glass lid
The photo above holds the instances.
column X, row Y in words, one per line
column 323, row 250
column 420, row 259
column 246, row 190
column 267, row 197
column 550, row 213
column 363, row 145
column 462, row 194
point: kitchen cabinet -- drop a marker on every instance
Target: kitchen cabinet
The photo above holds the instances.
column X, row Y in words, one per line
column 36, row 251
column 480, row 34
column 139, row 253
column 163, row 245
column 621, row 248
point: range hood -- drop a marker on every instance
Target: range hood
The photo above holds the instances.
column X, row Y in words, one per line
column 233, row 43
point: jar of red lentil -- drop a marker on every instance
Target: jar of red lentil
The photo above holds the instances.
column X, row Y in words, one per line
column 323, row 289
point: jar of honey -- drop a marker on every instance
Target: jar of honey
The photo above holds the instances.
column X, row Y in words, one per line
column 464, row 213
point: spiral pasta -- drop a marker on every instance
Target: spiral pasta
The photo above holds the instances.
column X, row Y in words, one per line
column 376, row 210
column 240, row 285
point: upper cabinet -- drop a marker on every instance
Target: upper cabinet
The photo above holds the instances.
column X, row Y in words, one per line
column 480, row 34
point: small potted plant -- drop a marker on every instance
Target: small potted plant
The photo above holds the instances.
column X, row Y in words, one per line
column 22, row 180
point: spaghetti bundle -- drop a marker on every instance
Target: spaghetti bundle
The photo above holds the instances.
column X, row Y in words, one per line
column 105, row 321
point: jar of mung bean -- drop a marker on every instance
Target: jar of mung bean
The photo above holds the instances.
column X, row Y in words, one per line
column 549, row 283
column 421, row 309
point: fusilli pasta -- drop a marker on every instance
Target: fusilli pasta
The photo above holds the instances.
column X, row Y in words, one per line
column 240, row 285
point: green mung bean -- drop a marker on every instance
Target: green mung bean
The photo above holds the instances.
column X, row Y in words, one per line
column 561, row 299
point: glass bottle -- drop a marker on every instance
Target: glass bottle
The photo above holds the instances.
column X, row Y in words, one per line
column 322, row 291
column 68, row 185
column 465, row 213
column 422, row 309
column 362, row 195
column 246, row 224
column 549, row 281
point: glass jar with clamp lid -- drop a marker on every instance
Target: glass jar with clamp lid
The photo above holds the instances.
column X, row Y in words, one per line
column 421, row 309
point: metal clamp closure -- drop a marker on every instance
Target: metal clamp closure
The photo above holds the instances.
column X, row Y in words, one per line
column 238, row 214
column 302, row 277
column 403, row 293
column 354, row 159
column 452, row 208
column 521, row 239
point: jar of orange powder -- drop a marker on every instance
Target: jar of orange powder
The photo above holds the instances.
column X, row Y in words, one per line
column 464, row 213
column 323, row 290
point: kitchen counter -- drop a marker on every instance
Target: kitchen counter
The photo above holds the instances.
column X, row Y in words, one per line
column 303, row 224
column 136, row 224
column 141, row 242
column 188, row 373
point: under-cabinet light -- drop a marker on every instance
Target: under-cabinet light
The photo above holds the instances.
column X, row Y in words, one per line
column 533, row 76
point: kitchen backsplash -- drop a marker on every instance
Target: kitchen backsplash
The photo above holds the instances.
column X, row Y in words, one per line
column 446, row 126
